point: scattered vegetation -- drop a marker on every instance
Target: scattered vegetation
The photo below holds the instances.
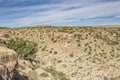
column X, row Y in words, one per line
column 77, row 50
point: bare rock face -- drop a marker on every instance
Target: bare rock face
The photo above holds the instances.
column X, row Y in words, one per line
column 26, row 68
column 8, row 60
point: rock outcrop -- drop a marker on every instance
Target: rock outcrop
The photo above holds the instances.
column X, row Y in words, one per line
column 8, row 60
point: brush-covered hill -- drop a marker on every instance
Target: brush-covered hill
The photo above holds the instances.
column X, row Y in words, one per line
column 70, row 53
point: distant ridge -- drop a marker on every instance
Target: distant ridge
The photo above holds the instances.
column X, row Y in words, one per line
column 4, row 28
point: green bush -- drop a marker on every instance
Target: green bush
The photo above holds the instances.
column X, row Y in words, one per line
column 57, row 75
column 25, row 49
column 44, row 75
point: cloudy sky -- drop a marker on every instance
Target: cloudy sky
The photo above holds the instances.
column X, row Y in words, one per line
column 14, row 13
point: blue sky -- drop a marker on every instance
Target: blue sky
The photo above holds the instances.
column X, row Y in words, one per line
column 17, row 13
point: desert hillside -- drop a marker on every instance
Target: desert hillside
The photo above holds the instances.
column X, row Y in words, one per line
column 69, row 53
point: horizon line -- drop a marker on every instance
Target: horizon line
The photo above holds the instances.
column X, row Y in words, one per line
column 61, row 26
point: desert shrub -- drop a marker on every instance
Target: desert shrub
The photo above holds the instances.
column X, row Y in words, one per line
column 79, row 59
column 25, row 49
column 44, row 47
column 6, row 35
column 36, row 66
column 58, row 75
column 50, row 51
column 86, row 44
column 89, row 53
column 44, row 74
column 71, row 55
column 78, row 44
column 53, row 40
column 59, row 61
column 77, row 40
column 55, row 52
column 85, row 49
column 108, row 78
column 66, row 29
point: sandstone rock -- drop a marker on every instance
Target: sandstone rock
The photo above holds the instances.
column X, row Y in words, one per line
column 34, row 75
column 8, row 60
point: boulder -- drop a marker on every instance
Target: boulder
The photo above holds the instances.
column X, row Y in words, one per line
column 8, row 59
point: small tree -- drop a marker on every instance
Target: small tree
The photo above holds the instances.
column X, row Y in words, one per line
column 25, row 49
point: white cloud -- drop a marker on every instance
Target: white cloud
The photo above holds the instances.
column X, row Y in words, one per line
column 118, row 16
column 57, row 14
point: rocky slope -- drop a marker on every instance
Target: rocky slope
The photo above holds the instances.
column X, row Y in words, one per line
column 70, row 53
